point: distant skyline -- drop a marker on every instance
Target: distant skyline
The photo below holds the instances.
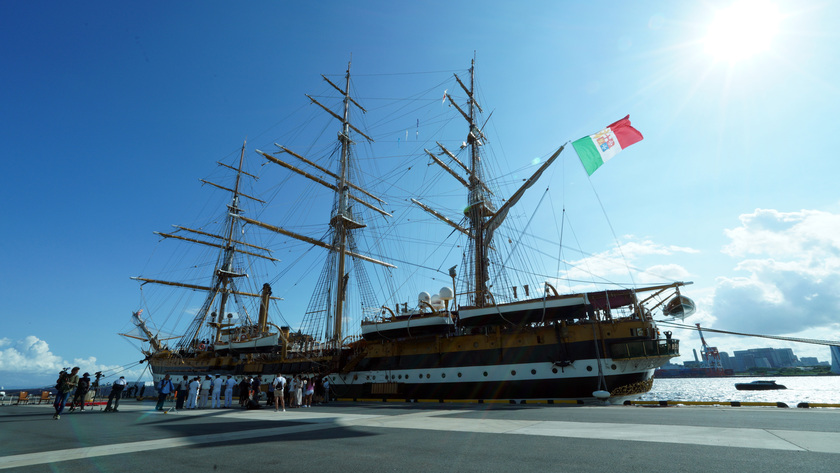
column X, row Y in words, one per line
column 699, row 357
column 112, row 111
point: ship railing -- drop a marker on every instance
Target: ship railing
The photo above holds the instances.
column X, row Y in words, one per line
column 644, row 349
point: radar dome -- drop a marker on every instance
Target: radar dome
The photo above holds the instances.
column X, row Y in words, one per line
column 447, row 294
column 424, row 297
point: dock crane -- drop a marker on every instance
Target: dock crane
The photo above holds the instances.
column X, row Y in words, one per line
column 711, row 356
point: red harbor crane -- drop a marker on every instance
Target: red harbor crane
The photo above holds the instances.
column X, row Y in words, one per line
column 711, row 356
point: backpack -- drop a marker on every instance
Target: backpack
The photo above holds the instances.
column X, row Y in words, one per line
column 62, row 377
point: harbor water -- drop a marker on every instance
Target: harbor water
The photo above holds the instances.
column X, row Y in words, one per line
column 810, row 389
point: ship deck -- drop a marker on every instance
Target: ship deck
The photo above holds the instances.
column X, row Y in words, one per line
column 427, row 437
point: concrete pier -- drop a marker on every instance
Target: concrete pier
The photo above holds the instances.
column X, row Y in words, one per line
column 423, row 437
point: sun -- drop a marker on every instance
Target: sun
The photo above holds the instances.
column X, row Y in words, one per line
column 742, row 30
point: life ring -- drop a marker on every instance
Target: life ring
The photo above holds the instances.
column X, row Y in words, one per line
column 201, row 347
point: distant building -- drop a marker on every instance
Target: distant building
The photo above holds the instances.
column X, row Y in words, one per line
column 809, row 361
column 786, row 357
column 744, row 360
column 764, row 358
column 727, row 362
column 763, row 363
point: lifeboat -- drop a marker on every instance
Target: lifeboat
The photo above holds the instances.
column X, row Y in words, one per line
column 679, row 307
column 413, row 324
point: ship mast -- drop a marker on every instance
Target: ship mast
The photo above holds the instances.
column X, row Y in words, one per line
column 342, row 221
column 226, row 274
column 342, row 215
column 223, row 283
column 483, row 217
column 476, row 199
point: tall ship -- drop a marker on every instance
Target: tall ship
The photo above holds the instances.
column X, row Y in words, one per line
column 480, row 337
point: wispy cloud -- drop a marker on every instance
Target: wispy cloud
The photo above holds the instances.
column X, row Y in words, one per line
column 635, row 257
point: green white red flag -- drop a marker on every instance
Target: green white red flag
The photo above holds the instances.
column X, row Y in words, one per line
column 595, row 150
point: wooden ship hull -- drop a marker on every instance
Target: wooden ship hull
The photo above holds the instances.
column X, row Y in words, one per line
column 561, row 359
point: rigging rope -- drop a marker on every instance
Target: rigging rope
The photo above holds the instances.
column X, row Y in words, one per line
column 612, row 230
column 771, row 337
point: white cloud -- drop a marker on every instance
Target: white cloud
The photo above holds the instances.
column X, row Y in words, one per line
column 30, row 363
column 792, row 266
column 28, row 355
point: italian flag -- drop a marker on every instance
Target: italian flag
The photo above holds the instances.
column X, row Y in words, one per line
column 595, row 150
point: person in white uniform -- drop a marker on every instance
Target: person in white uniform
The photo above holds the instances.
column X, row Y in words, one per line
column 217, row 391
column 193, row 393
column 229, row 384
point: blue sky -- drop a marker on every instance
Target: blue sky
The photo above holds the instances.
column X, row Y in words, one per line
column 112, row 111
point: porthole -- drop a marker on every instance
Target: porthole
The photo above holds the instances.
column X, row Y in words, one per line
column 443, row 375
column 533, row 371
column 399, row 377
column 588, row 368
column 554, row 370
column 421, row 375
column 428, row 376
column 367, row 377
column 513, row 372
column 485, row 374
column 614, row 367
column 374, row 376
column 459, row 375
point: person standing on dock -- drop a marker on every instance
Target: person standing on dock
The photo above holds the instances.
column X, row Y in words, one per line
column 229, row 384
column 255, row 389
column 204, row 395
column 183, row 389
column 116, row 393
column 244, row 386
column 269, row 399
column 164, row 389
column 217, row 391
column 66, row 383
column 81, row 393
column 193, row 394
column 279, row 384
column 299, row 392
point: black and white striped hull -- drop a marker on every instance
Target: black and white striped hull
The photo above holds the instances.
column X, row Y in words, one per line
column 515, row 381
